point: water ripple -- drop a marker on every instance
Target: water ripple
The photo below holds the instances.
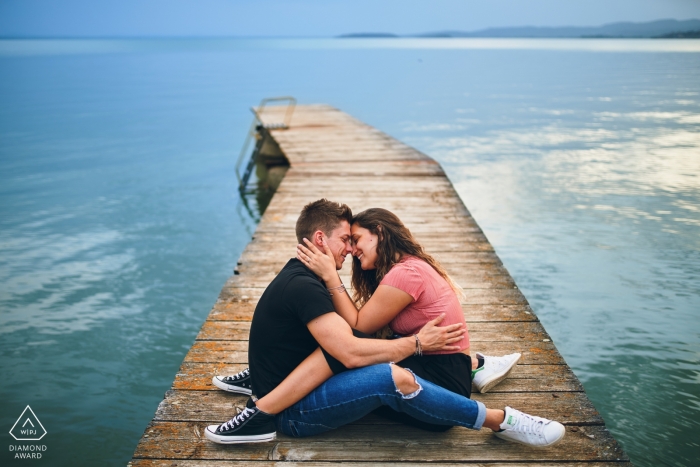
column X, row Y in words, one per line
column 60, row 284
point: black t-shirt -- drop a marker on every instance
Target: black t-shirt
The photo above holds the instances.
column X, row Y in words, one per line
column 279, row 339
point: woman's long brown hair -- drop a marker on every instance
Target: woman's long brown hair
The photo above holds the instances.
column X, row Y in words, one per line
column 394, row 242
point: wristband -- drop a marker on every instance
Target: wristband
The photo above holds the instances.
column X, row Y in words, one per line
column 340, row 289
column 419, row 347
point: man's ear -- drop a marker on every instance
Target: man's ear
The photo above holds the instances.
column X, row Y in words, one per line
column 317, row 239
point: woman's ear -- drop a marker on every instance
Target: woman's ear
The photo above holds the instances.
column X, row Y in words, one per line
column 380, row 234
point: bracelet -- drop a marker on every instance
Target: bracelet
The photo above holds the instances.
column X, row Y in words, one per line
column 340, row 288
column 419, row 347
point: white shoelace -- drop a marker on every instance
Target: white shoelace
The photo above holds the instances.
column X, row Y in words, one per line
column 529, row 424
column 243, row 374
column 238, row 419
column 496, row 362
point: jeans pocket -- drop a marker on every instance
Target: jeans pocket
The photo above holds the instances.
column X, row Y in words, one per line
column 301, row 430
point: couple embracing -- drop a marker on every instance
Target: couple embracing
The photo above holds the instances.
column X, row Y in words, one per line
column 314, row 365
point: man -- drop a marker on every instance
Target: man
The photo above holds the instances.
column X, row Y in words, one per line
column 295, row 315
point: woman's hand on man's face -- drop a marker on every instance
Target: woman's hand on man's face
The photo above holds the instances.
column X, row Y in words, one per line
column 322, row 263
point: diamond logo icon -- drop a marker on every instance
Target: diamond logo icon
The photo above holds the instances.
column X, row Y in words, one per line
column 28, row 427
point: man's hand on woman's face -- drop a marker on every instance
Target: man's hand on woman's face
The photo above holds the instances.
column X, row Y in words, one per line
column 322, row 263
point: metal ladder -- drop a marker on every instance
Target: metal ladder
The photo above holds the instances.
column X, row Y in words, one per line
column 252, row 135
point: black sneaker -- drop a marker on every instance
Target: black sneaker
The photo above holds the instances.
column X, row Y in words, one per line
column 250, row 426
column 238, row 383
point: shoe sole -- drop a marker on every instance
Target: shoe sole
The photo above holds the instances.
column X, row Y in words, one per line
column 239, row 439
column 496, row 378
column 229, row 388
column 539, row 446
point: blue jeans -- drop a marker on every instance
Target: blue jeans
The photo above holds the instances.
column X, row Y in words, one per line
column 351, row 395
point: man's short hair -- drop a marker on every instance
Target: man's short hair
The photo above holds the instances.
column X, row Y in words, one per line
column 321, row 215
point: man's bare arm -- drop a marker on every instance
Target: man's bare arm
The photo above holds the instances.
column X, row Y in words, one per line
column 335, row 336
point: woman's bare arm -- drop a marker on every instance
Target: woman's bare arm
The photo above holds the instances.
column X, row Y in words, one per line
column 382, row 307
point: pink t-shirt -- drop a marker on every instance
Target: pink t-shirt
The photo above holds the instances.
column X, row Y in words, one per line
column 432, row 296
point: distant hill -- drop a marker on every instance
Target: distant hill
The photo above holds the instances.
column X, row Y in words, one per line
column 665, row 28
column 681, row 35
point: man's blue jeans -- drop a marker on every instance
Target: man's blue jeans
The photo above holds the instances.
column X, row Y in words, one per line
column 351, row 395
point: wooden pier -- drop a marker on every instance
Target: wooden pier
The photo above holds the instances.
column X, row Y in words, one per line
column 335, row 156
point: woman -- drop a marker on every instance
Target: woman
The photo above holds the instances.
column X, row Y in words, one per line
column 399, row 285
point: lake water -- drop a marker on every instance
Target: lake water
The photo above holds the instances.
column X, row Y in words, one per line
column 120, row 219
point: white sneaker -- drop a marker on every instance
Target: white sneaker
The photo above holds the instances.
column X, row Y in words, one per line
column 522, row 428
column 494, row 371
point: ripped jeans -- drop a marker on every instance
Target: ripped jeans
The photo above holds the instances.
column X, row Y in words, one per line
column 351, row 395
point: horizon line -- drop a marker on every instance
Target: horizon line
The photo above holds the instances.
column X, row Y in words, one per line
column 351, row 36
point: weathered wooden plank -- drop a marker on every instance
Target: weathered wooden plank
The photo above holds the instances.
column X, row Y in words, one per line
column 342, row 135
column 368, row 165
column 438, row 196
column 243, row 279
column 184, row 440
column 406, row 209
column 362, row 162
column 197, row 376
column 378, row 187
column 230, row 351
column 445, row 216
column 224, row 330
column 355, row 150
column 424, row 236
column 224, row 463
column 453, row 258
column 226, row 310
column 416, row 230
column 343, row 132
column 431, row 245
column 445, row 222
column 339, row 191
column 358, row 141
column 469, row 446
column 284, row 249
column 344, row 192
column 442, row 225
column 355, row 142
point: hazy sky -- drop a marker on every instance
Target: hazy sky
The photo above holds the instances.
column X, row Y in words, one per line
column 316, row 17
